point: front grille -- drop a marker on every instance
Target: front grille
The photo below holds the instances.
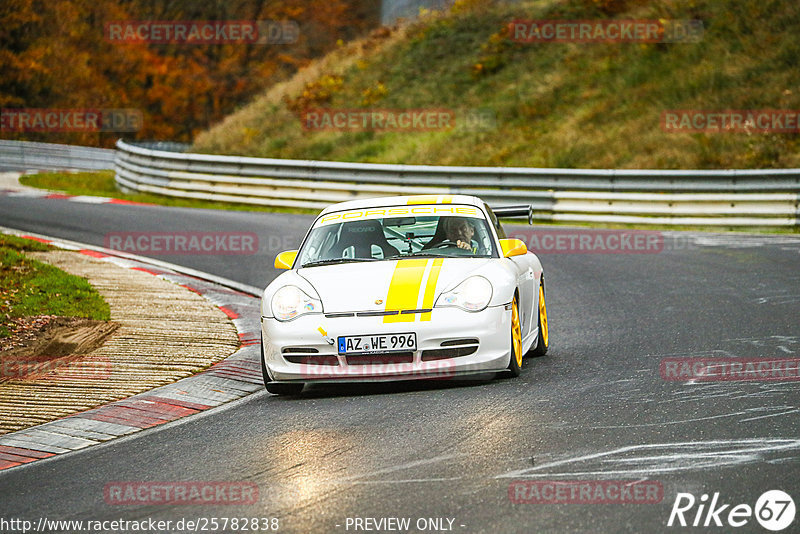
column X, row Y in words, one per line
column 380, row 359
column 308, row 356
column 465, row 341
column 455, row 349
column 443, row 354
column 313, row 359
column 300, row 350
column 376, row 313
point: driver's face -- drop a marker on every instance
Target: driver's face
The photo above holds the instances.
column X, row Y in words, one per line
column 462, row 230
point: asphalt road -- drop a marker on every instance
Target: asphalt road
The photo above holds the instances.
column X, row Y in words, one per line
column 595, row 408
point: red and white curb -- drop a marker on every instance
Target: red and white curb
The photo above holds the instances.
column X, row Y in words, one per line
column 41, row 193
column 235, row 377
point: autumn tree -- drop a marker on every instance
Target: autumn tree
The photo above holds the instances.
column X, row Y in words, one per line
column 56, row 55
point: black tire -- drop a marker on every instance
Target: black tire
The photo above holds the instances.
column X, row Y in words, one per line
column 282, row 388
column 264, row 374
column 543, row 339
column 515, row 362
column 276, row 388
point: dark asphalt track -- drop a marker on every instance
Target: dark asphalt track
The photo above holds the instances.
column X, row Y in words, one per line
column 594, row 408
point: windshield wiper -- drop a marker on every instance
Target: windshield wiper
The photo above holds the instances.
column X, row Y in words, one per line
column 428, row 254
column 417, row 255
column 332, row 261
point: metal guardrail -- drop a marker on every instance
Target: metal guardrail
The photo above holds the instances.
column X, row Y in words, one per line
column 729, row 197
column 768, row 197
column 48, row 156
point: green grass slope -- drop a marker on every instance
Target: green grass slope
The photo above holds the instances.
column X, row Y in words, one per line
column 576, row 105
column 29, row 287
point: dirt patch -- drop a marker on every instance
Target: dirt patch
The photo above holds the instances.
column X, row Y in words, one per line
column 44, row 344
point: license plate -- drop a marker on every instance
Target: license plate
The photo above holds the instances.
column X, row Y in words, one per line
column 369, row 344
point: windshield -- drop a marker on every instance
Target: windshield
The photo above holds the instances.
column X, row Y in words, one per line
column 391, row 233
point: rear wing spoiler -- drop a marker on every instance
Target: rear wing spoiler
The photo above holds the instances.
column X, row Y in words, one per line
column 522, row 210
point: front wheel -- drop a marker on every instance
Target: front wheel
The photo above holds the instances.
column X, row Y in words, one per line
column 280, row 388
column 264, row 373
column 276, row 388
column 515, row 363
column 543, row 339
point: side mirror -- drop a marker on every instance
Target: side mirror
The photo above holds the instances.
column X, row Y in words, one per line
column 285, row 259
column 513, row 247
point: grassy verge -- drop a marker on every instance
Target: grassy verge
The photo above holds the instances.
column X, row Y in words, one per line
column 568, row 105
column 101, row 183
column 29, row 287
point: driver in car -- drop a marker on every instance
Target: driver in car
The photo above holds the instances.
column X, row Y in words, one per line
column 460, row 231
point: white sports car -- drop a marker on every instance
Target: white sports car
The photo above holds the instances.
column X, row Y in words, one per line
column 401, row 288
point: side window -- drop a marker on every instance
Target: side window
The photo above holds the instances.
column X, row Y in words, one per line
column 501, row 234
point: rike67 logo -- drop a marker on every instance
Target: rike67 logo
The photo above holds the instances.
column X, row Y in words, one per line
column 774, row 510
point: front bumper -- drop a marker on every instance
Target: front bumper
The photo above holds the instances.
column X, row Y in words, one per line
column 491, row 327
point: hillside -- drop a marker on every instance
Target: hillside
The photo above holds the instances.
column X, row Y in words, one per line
column 587, row 105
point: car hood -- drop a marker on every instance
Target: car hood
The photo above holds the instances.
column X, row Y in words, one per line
column 390, row 284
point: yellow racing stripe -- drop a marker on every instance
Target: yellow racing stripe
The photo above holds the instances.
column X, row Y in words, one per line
column 430, row 288
column 404, row 290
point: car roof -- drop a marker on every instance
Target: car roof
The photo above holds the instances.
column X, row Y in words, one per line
column 380, row 202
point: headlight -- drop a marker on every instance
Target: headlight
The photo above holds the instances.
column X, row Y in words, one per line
column 291, row 301
column 473, row 294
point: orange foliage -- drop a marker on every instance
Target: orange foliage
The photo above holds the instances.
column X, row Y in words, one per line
column 56, row 55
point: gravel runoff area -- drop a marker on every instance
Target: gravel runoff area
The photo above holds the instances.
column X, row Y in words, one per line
column 167, row 332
